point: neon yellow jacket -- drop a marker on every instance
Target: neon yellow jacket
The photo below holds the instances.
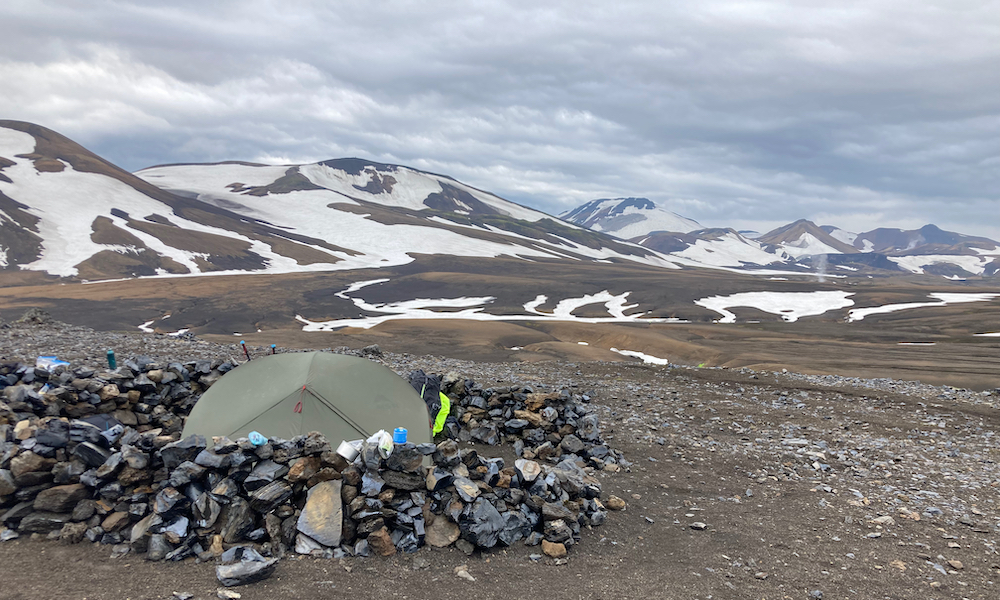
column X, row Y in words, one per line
column 442, row 415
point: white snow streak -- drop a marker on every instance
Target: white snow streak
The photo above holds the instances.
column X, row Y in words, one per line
column 646, row 358
column 943, row 298
column 422, row 308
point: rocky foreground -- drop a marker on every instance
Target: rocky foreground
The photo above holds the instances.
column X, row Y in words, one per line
column 741, row 485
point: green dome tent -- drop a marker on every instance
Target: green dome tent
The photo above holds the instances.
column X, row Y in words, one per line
column 285, row 395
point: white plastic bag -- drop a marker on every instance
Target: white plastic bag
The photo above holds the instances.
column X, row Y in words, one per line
column 383, row 441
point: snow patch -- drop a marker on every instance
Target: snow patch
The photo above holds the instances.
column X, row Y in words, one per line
column 915, row 264
column 730, row 250
column 791, row 306
column 943, row 298
column 994, row 334
column 646, row 358
column 808, row 245
column 844, row 236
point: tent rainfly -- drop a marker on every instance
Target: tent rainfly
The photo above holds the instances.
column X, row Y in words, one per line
column 285, row 395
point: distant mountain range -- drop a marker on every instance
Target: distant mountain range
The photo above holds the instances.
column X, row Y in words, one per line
column 928, row 250
column 68, row 213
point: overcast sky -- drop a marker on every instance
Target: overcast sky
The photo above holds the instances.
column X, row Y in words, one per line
column 745, row 114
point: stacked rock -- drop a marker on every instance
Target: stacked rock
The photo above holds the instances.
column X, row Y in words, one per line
column 139, row 393
column 171, row 499
column 539, row 425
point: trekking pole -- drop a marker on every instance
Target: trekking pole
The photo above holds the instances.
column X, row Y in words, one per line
column 273, row 349
column 246, row 352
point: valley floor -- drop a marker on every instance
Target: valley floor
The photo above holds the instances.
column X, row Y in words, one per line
column 807, row 484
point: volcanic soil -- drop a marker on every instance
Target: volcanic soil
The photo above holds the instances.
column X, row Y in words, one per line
column 806, row 486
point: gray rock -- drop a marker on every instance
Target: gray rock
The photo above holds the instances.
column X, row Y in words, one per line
column 245, row 572
column 264, row 473
column 55, row 434
column 306, row 545
column 43, row 522
column 185, row 473
column 266, row 498
column 405, row 458
column 404, row 481
column 7, row 486
column 237, row 521
column 323, row 514
column 572, row 444
column 557, row 531
column 371, row 484
column 91, row 454
column 483, row 524
column 158, row 547
column 110, row 467
column 166, row 500
column 588, row 429
column 515, row 527
column 186, row 449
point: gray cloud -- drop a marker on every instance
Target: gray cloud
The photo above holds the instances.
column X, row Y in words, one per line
column 749, row 114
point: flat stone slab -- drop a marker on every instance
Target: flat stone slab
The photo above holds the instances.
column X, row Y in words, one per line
column 322, row 517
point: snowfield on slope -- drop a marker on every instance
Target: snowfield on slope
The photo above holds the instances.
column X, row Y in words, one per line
column 730, row 250
column 943, row 299
column 790, row 306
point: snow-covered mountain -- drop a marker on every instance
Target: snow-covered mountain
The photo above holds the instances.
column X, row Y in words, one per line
column 627, row 218
column 805, row 238
column 715, row 247
column 67, row 212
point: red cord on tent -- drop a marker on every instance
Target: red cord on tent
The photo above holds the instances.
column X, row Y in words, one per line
column 298, row 407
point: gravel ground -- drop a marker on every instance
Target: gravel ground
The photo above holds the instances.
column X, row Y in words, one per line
column 807, row 486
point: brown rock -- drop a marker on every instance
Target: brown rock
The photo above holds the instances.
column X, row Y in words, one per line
column 381, row 542
column 129, row 476
column 108, row 392
column 956, row 564
column 441, row 532
column 72, row 533
column 324, row 474
column 126, row 417
column 215, row 548
column 534, row 418
column 303, row 468
column 115, row 521
column 29, row 462
column 615, row 503
column 23, row 430
column 555, row 550
column 61, row 498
